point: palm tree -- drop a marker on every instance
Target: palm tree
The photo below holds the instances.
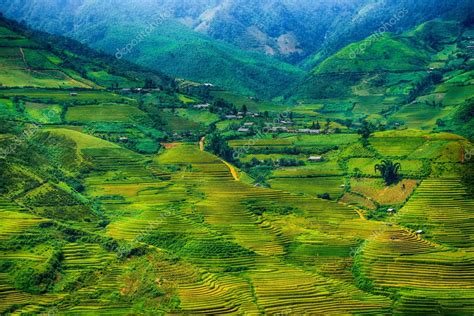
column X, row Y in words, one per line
column 389, row 171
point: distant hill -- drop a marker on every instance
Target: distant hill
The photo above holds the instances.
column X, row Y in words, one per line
column 168, row 46
column 41, row 60
column 210, row 40
column 428, row 70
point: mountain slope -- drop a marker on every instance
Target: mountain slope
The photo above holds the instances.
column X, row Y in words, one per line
column 427, row 71
column 36, row 59
column 183, row 40
column 167, row 46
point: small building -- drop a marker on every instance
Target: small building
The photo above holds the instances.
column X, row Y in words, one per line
column 277, row 129
column 73, row 94
column 419, row 232
column 231, row 117
column 248, row 124
column 391, row 211
column 202, row 106
column 243, row 130
column 309, row 131
column 123, row 139
column 315, row 159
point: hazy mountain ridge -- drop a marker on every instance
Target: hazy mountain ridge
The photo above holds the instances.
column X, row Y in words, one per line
column 311, row 25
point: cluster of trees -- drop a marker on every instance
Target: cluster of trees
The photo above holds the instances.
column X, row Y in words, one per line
column 422, row 85
column 389, row 171
column 216, row 144
column 40, row 279
column 222, row 107
column 366, row 129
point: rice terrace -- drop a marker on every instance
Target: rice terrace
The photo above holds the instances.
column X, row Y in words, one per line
column 242, row 158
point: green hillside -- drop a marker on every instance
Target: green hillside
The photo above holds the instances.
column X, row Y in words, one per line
column 417, row 79
column 124, row 191
column 39, row 60
column 185, row 54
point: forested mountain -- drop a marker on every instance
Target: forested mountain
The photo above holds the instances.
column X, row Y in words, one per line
column 426, row 71
column 159, row 42
column 298, row 32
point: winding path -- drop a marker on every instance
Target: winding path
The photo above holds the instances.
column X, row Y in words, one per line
column 232, row 169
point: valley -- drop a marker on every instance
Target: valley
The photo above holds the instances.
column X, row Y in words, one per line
column 126, row 191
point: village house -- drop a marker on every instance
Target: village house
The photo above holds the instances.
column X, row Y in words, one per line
column 309, row 131
column 278, row 129
column 201, row 106
column 315, row 159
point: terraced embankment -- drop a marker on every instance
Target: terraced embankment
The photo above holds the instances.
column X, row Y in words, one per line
column 220, row 246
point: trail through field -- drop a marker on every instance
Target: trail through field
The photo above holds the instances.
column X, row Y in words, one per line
column 24, row 59
column 232, row 169
column 359, row 212
column 201, row 143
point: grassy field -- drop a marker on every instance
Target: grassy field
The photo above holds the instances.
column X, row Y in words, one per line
column 104, row 113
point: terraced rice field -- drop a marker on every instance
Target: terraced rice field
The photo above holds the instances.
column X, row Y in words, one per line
column 240, row 249
column 202, row 202
column 398, row 259
column 104, row 113
column 442, row 207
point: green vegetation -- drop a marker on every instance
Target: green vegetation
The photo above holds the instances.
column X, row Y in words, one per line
column 127, row 192
column 389, row 171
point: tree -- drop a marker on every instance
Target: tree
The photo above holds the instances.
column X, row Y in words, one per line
column 389, row 171
column 149, row 84
column 316, row 125
column 328, row 125
column 216, row 144
column 366, row 129
column 244, row 109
